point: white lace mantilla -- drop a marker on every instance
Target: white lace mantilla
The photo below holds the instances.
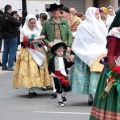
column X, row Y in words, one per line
column 115, row 31
column 117, row 61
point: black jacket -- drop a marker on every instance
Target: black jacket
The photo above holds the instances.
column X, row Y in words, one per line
column 9, row 26
column 51, row 65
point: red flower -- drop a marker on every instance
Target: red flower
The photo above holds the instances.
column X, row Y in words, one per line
column 116, row 69
column 26, row 44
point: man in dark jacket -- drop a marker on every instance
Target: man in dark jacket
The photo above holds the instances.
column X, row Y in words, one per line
column 1, row 13
column 9, row 33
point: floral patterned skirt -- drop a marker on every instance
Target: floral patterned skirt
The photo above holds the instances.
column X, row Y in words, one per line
column 81, row 79
column 28, row 74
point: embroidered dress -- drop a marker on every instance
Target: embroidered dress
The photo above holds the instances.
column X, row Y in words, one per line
column 27, row 73
column 83, row 81
column 108, row 108
column 88, row 45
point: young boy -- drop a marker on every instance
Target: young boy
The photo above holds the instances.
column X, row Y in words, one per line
column 58, row 70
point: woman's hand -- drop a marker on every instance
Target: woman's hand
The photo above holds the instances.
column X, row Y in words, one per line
column 42, row 37
column 39, row 38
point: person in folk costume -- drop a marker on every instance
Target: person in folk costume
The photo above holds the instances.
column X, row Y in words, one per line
column 106, row 106
column 56, row 30
column 111, row 11
column 31, row 69
column 89, row 44
column 107, row 19
column 42, row 17
column 58, row 70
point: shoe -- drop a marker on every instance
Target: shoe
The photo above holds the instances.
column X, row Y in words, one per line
column 61, row 104
column 90, row 103
column 64, row 100
column 44, row 89
column 30, row 95
column 10, row 69
column 54, row 95
column 4, row 69
column 34, row 93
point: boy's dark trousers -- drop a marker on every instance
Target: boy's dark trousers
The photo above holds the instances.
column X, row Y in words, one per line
column 60, row 87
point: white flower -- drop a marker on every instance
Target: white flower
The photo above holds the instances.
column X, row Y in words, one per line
column 63, row 25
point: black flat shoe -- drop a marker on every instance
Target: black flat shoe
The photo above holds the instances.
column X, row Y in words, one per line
column 30, row 94
column 44, row 89
column 54, row 95
column 90, row 103
column 34, row 94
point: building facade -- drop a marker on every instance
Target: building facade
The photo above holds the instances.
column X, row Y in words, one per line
column 37, row 6
column 82, row 5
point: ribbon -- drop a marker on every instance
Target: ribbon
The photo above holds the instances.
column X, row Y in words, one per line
column 108, row 72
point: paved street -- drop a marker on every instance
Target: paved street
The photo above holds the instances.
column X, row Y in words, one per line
column 15, row 104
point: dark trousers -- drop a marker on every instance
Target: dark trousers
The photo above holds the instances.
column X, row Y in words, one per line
column 60, row 87
column 0, row 44
column 9, row 52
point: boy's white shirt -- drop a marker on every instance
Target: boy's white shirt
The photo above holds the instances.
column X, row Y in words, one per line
column 62, row 66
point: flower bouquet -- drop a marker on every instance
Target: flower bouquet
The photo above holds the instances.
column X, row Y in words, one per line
column 113, row 79
column 29, row 43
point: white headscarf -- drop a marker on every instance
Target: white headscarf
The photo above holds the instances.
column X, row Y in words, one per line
column 39, row 23
column 110, row 7
column 90, row 40
column 110, row 18
column 37, row 56
column 26, row 30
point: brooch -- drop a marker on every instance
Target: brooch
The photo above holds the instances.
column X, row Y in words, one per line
column 63, row 25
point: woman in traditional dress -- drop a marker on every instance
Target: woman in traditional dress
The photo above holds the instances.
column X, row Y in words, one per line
column 89, row 45
column 111, row 11
column 107, row 19
column 31, row 68
column 108, row 108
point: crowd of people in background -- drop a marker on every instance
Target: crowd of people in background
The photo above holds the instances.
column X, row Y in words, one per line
column 62, row 51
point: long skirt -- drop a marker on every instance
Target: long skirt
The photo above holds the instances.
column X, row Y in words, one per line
column 108, row 109
column 82, row 81
column 28, row 74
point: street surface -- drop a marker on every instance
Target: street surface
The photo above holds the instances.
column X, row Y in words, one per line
column 16, row 105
